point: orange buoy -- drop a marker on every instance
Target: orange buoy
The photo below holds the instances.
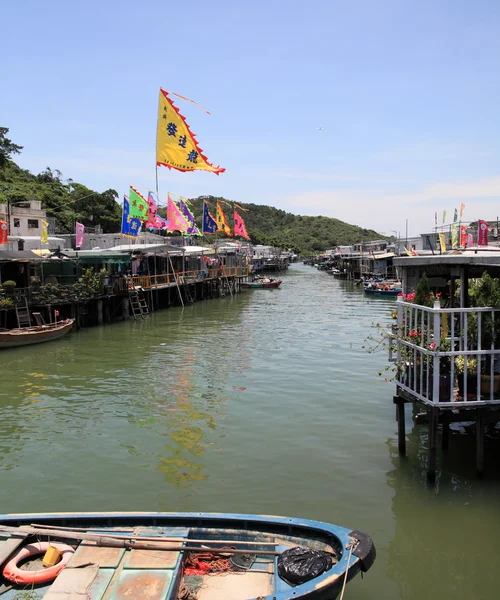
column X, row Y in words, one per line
column 13, row 573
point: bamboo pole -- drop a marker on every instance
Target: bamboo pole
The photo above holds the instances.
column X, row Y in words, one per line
column 131, row 543
column 153, row 539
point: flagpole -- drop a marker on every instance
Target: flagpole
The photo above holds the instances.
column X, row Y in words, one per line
column 156, row 149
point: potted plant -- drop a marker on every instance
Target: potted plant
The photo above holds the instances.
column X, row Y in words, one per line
column 9, row 287
column 470, row 378
column 485, row 292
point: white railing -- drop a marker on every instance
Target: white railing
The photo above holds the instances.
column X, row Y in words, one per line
column 427, row 345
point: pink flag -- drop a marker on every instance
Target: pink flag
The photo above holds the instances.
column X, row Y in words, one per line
column 239, row 226
column 176, row 222
column 154, row 220
column 470, row 240
column 482, row 233
column 79, row 234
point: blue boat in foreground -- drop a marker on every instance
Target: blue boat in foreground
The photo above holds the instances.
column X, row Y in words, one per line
column 178, row 556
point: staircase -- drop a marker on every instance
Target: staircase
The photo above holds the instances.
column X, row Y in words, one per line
column 187, row 292
column 23, row 312
column 138, row 304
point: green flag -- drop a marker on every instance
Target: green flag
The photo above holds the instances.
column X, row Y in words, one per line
column 138, row 206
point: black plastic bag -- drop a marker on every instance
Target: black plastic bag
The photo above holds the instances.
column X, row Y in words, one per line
column 298, row 565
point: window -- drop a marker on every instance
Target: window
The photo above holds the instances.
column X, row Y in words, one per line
column 32, row 223
column 17, row 222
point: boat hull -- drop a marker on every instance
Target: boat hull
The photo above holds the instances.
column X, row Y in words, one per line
column 253, row 285
column 35, row 335
column 378, row 292
column 354, row 550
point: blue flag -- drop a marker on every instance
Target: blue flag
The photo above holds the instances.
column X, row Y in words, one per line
column 209, row 223
column 130, row 227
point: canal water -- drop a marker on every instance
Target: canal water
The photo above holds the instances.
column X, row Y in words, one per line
column 262, row 403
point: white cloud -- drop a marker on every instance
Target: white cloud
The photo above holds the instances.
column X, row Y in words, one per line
column 384, row 210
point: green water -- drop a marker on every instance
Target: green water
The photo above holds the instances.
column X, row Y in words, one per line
column 264, row 403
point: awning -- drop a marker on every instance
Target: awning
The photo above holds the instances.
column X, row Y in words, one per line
column 42, row 251
column 19, row 256
column 383, row 256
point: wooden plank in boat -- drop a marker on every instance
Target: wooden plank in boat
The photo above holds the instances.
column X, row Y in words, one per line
column 89, row 552
column 8, row 545
column 71, row 583
column 146, row 585
column 236, row 586
column 151, row 559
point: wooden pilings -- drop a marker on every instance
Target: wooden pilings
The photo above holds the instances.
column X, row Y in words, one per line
column 480, row 443
column 436, row 416
column 432, row 442
column 400, row 417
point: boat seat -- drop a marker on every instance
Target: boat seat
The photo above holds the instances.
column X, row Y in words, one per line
column 38, row 318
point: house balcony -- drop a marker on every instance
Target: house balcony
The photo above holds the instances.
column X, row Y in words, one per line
column 446, row 357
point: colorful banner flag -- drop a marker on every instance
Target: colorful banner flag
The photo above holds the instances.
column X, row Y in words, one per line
column 79, row 234
column 209, row 223
column 454, row 236
column 130, row 227
column 455, row 216
column 444, row 216
column 463, row 235
column 220, row 217
column 154, row 220
column 4, row 232
column 176, row 222
column 442, row 241
column 176, row 147
column 412, row 250
column 408, row 253
column 482, row 233
column 44, row 234
column 462, row 206
column 138, row 205
column 470, row 240
column 239, row 226
column 188, row 215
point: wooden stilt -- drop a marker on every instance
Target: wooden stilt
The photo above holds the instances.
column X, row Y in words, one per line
column 432, row 443
column 446, row 430
column 400, row 417
column 480, row 444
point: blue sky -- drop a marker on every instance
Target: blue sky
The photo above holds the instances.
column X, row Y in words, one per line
column 407, row 91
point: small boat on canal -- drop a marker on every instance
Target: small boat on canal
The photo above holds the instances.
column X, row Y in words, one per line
column 179, row 556
column 25, row 336
column 261, row 282
column 382, row 290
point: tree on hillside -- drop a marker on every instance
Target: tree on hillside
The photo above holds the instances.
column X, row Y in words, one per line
column 7, row 147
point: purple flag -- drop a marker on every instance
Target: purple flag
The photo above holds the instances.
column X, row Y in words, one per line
column 188, row 215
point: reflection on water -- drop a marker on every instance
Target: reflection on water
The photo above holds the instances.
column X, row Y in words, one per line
column 262, row 403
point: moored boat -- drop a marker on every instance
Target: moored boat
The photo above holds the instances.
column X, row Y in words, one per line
column 382, row 291
column 25, row 336
column 261, row 282
column 195, row 556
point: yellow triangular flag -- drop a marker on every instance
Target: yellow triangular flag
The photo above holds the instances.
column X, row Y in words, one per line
column 176, row 147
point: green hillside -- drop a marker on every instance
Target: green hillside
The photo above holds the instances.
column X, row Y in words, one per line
column 269, row 225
